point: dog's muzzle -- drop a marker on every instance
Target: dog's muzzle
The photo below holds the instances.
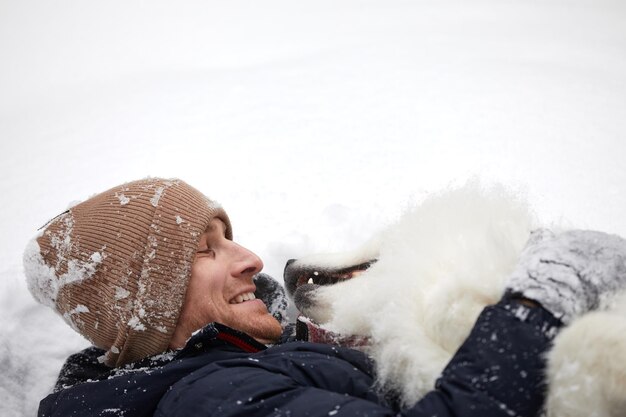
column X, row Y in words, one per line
column 302, row 280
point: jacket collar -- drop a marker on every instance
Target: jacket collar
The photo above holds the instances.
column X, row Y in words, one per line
column 216, row 334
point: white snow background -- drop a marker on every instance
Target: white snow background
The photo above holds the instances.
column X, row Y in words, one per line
column 313, row 123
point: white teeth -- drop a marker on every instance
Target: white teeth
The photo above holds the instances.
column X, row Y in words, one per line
column 243, row 297
column 310, row 281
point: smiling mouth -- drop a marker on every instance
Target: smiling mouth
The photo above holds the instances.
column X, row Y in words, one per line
column 242, row 298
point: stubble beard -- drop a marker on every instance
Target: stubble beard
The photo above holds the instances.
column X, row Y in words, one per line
column 265, row 329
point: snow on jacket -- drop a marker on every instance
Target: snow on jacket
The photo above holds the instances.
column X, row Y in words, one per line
column 498, row 371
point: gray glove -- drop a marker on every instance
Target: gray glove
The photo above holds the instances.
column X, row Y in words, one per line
column 273, row 295
column 572, row 272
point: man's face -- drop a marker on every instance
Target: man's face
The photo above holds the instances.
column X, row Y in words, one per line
column 221, row 290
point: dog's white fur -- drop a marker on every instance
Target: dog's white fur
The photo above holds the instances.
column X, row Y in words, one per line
column 437, row 268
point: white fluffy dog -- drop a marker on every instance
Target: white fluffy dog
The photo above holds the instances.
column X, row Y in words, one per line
column 423, row 282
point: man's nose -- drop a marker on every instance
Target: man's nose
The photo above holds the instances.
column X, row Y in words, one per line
column 249, row 263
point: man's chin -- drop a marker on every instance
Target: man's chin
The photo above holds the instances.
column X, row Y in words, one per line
column 266, row 331
column 252, row 318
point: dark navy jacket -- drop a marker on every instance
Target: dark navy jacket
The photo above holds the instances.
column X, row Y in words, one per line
column 222, row 372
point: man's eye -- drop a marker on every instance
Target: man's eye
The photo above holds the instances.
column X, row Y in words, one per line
column 207, row 251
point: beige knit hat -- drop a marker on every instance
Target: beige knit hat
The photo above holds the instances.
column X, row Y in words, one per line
column 116, row 266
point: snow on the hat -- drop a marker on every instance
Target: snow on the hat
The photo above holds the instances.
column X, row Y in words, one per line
column 136, row 324
column 72, row 318
column 123, row 199
column 40, row 277
column 157, row 196
column 43, row 280
column 121, row 293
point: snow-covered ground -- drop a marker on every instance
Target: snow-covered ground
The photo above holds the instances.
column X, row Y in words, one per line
column 313, row 123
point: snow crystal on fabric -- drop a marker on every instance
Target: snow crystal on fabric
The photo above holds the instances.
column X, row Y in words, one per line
column 136, row 324
column 157, row 196
column 72, row 320
column 121, row 293
column 212, row 204
column 62, row 241
column 42, row 280
column 78, row 271
column 80, row 308
column 123, row 199
column 114, row 411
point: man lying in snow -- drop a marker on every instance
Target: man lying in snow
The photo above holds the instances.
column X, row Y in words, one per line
column 149, row 274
